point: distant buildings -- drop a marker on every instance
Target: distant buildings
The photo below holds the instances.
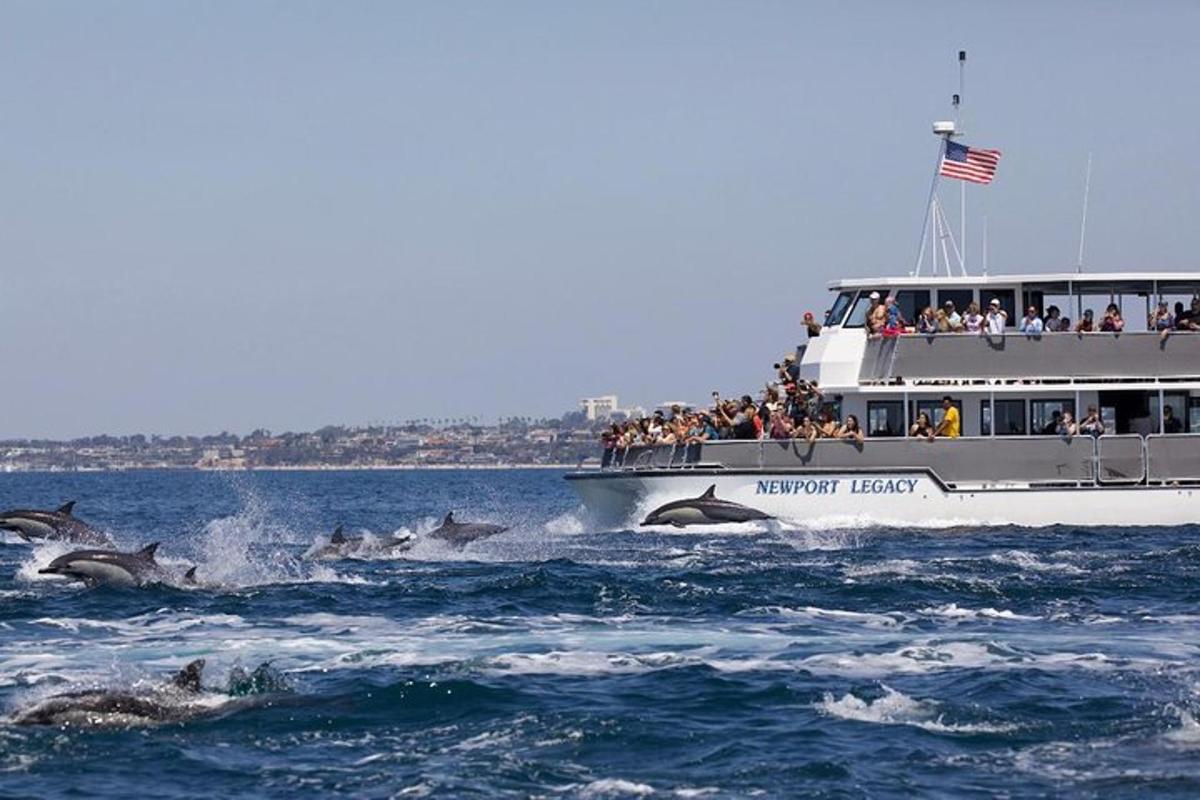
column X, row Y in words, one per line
column 599, row 408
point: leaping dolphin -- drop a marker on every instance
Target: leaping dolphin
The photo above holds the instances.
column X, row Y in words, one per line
column 58, row 525
column 703, row 510
column 341, row 546
column 463, row 533
column 109, row 567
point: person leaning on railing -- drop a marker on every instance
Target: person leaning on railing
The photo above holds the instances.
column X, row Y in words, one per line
column 951, row 424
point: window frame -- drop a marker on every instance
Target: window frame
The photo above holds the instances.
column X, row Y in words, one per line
column 1067, row 402
column 836, row 314
column 986, row 416
column 898, row 406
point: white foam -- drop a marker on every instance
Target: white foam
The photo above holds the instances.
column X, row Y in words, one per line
column 609, row 787
column 954, row 612
column 897, row 708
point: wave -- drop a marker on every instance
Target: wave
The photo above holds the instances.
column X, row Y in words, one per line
column 897, row 708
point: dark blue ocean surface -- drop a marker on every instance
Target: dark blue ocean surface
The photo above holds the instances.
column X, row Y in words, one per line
column 560, row 660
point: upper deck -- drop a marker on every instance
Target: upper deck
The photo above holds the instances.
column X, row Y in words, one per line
column 845, row 356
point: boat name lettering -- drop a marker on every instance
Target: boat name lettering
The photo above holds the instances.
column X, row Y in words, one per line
column 830, row 486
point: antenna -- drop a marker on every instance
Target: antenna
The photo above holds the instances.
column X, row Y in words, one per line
column 962, row 185
column 1087, row 188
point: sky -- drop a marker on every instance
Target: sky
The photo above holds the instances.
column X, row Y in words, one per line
column 232, row 215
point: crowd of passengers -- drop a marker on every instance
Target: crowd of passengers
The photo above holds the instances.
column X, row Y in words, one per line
column 788, row 408
column 884, row 318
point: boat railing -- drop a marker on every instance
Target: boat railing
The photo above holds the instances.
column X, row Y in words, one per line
column 966, row 461
column 962, row 357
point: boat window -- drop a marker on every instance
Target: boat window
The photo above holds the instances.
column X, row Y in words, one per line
column 858, row 314
column 885, row 418
column 1008, row 302
column 1177, row 402
column 960, row 297
column 839, row 309
column 1044, row 414
column 935, row 411
column 1010, row 417
column 912, row 302
column 1193, row 417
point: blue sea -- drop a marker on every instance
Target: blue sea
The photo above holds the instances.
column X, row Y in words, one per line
column 563, row 660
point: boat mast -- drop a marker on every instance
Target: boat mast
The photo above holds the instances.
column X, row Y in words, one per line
column 1087, row 187
column 962, row 185
column 935, row 230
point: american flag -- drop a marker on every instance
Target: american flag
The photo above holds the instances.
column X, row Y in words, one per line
column 969, row 163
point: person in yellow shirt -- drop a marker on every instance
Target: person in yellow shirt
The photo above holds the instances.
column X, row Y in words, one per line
column 951, row 424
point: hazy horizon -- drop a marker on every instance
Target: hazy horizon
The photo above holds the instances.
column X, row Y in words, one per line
column 288, row 215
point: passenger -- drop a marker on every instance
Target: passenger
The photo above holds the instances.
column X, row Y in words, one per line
column 895, row 324
column 811, row 325
column 1087, row 324
column 927, row 324
column 781, row 425
column 1113, row 322
column 806, row 430
column 828, row 427
column 943, row 321
column 1190, row 320
column 1092, row 424
column 1182, row 317
column 1064, row 325
column 1066, row 425
column 1031, row 325
column 1053, row 322
column 1161, row 320
column 788, row 370
column 973, row 321
column 1051, row 427
column 876, row 316
column 953, row 318
column 1171, row 423
column 922, row 428
column 851, row 429
column 996, row 319
column 951, row 424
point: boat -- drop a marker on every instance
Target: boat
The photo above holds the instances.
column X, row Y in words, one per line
column 1011, row 465
column 1006, row 467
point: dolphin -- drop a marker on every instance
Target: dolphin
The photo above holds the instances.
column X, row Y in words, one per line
column 703, row 510
column 174, row 702
column 341, row 546
column 109, row 567
column 58, row 525
column 181, row 699
column 463, row 533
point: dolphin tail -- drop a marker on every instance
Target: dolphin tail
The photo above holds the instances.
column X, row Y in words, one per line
column 709, row 494
column 66, row 508
column 188, row 678
column 147, row 552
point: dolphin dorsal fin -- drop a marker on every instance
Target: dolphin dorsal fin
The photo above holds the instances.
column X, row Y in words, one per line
column 709, row 493
column 338, row 537
column 449, row 520
column 148, row 551
column 190, row 575
column 188, row 678
column 67, row 508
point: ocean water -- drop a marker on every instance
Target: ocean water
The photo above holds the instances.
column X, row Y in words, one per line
column 563, row 660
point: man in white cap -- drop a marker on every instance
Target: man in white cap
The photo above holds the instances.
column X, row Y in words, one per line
column 995, row 319
column 876, row 315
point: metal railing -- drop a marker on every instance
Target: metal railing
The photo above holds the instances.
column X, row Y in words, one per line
column 1108, row 460
column 961, row 356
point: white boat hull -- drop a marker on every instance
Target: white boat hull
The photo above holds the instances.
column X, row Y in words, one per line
column 909, row 499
